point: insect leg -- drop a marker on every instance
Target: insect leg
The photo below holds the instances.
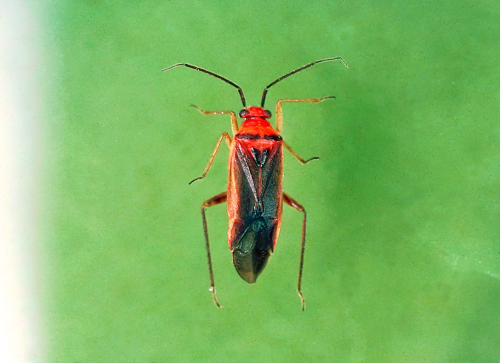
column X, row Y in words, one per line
column 234, row 120
column 225, row 136
column 294, row 204
column 219, row 198
column 279, row 110
column 302, row 161
column 279, row 122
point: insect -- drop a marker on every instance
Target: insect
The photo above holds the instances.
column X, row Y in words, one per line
column 254, row 192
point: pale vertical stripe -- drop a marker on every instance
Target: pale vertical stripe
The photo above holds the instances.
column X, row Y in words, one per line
column 20, row 314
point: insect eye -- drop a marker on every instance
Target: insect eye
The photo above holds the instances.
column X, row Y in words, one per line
column 243, row 113
column 268, row 113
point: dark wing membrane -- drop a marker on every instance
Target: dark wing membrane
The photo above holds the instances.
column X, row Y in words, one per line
column 253, row 249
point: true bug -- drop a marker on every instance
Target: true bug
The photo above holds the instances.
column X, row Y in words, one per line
column 254, row 193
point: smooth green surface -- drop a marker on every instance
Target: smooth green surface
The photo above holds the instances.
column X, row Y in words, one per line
column 403, row 253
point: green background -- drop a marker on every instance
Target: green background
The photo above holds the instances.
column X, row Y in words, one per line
column 403, row 254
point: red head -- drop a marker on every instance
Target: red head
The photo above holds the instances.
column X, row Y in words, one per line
column 254, row 111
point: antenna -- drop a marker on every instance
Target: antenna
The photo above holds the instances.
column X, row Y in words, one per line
column 212, row 74
column 296, row 71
